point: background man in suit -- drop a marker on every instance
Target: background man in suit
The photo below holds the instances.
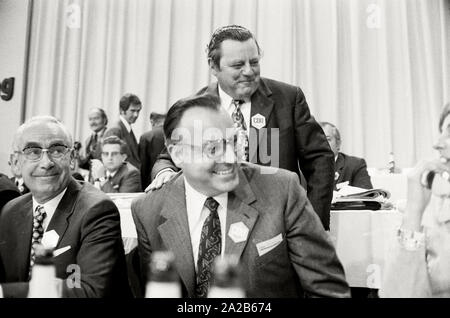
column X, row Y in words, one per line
column 348, row 169
column 17, row 176
column 130, row 105
column 98, row 120
column 268, row 111
column 8, row 190
column 151, row 144
column 218, row 207
column 113, row 174
column 79, row 221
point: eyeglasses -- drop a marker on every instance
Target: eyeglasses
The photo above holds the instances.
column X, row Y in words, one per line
column 36, row 153
column 112, row 154
column 214, row 149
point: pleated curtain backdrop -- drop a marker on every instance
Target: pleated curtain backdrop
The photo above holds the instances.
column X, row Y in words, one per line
column 378, row 69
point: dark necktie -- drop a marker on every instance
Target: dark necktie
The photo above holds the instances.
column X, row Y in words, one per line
column 239, row 123
column 38, row 232
column 94, row 142
column 209, row 248
column 133, row 137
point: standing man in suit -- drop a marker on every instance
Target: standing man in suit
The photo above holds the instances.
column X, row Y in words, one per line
column 218, row 207
column 80, row 222
column 129, row 106
column 114, row 174
column 274, row 117
column 151, row 144
column 98, row 121
column 348, row 169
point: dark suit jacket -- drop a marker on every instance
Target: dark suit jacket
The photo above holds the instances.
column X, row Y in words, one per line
column 119, row 130
column 92, row 151
column 353, row 170
column 87, row 221
column 8, row 190
column 268, row 205
column 151, row 144
column 127, row 179
column 301, row 142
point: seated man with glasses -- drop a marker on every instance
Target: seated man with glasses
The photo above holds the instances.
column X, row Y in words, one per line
column 79, row 222
column 114, row 174
column 216, row 206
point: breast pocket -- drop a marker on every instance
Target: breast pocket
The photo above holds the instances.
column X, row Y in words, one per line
column 276, row 255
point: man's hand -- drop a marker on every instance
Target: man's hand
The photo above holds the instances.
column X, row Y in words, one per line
column 161, row 178
column 97, row 169
column 418, row 195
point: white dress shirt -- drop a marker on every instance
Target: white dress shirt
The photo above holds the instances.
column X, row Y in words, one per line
column 197, row 214
column 127, row 124
column 49, row 207
column 226, row 102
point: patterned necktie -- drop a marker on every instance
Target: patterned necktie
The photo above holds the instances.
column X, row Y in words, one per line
column 38, row 232
column 239, row 123
column 210, row 247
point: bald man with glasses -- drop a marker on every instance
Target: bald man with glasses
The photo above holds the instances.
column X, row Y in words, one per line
column 79, row 222
column 218, row 206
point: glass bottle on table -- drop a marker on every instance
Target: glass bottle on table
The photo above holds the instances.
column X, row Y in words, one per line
column 163, row 279
column 43, row 283
column 227, row 278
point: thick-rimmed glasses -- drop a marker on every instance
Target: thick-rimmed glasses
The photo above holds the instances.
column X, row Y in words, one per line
column 215, row 149
column 36, row 153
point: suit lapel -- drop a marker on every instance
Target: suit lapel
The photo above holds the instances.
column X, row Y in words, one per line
column 263, row 105
column 24, row 228
column 239, row 210
column 132, row 142
column 339, row 168
column 174, row 232
column 64, row 210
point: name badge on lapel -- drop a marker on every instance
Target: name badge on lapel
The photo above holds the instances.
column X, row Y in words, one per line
column 258, row 121
column 50, row 239
column 238, row 232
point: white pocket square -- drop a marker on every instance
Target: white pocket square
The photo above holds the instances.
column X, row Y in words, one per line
column 61, row 250
column 268, row 245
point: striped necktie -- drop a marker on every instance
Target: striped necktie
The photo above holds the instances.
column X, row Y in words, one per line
column 239, row 123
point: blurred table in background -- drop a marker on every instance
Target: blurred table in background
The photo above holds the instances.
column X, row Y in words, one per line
column 123, row 202
column 395, row 183
column 362, row 239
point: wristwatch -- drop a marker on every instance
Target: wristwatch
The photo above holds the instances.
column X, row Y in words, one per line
column 410, row 240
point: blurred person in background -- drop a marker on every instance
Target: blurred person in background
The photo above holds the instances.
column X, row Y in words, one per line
column 114, row 174
column 419, row 263
column 349, row 170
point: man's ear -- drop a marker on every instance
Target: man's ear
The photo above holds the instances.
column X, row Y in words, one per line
column 213, row 67
column 124, row 156
column 176, row 153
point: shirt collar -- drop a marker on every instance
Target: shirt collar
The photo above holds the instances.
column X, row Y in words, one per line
column 127, row 124
column 50, row 206
column 225, row 98
column 198, row 199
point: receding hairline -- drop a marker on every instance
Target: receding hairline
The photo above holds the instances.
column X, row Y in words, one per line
column 40, row 120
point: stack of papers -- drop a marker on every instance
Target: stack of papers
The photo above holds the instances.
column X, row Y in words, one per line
column 353, row 198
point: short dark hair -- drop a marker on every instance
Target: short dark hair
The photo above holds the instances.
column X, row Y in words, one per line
column 127, row 100
column 444, row 113
column 157, row 117
column 229, row 32
column 336, row 132
column 114, row 140
column 102, row 114
column 177, row 110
